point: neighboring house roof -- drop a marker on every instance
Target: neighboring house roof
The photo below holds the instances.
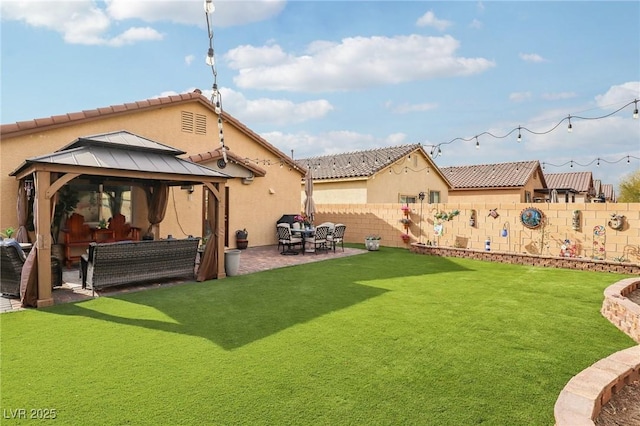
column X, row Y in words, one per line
column 361, row 164
column 70, row 119
column 501, row 175
column 580, row 181
column 597, row 187
column 609, row 193
column 122, row 151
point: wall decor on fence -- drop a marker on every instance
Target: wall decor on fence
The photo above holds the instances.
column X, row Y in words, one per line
column 531, row 217
column 575, row 220
column 616, row 222
column 493, row 213
column 472, row 219
column 599, row 238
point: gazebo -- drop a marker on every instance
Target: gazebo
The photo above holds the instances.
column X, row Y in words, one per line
column 122, row 157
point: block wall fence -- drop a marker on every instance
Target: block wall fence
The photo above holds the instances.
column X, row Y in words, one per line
column 384, row 220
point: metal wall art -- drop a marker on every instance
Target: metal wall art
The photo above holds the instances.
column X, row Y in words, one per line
column 616, row 222
column 531, row 217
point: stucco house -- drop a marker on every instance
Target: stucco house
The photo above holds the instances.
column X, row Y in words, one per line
column 514, row 182
column 574, row 187
column 383, row 175
column 259, row 173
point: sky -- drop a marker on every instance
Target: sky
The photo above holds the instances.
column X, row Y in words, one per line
column 325, row 77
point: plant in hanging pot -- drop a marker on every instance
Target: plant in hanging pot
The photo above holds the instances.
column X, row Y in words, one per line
column 372, row 242
column 241, row 238
column 406, row 238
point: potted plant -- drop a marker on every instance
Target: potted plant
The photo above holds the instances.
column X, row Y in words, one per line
column 67, row 201
column 405, row 222
column 8, row 233
column 241, row 239
column 372, row 242
column 406, row 238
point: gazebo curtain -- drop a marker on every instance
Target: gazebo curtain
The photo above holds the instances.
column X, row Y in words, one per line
column 22, row 236
column 210, row 258
column 29, row 275
column 157, row 200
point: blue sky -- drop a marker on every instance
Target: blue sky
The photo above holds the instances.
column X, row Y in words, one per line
column 323, row 77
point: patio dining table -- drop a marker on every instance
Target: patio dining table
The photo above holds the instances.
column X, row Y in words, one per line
column 306, row 233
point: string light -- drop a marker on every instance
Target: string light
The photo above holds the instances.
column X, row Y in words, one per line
column 216, row 97
column 595, row 160
column 635, row 110
column 436, row 149
column 569, row 127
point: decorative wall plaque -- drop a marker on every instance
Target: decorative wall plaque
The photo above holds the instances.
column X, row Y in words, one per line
column 531, row 217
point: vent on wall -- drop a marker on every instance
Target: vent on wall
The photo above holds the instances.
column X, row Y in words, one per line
column 201, row 124
column 193, row 123
column 186, row 121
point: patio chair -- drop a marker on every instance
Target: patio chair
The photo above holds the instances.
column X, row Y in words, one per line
column 319, row 238
column 12, row 259
column 337, row 237
column 77, row 235
column 287, row 239
column 122, row 230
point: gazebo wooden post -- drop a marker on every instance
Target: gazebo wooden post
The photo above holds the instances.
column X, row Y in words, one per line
column 43, row 238
column 220, row 227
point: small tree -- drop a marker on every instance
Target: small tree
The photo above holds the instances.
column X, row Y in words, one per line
column 630, row 188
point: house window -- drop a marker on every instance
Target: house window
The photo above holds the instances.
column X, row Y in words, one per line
column 186, row 121
column 434, row 197
column 527, row 196
column 406, row 199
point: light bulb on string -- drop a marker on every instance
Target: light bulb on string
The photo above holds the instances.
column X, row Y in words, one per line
column 208, row 6
column 477, row 143
column 571, row 164
column 598, row 163
column 635, row 110
column 570, row 127
column 519, row 135
column 209, row 60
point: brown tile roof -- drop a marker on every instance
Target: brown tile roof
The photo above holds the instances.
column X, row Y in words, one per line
column 217, row 154
column 73, row 118
column 609, row 193
column 580, row 181
column 501, row 175
column 363, row 163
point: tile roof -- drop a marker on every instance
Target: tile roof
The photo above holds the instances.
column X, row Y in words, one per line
column 580, row 181
column 216, row 154
column 609, row 193
column 49, row 123
column 361, row 164
column 501, row 175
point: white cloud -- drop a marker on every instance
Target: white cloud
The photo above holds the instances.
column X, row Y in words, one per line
column 531, row 57
column 558, row 96
column 354, row 63
column 85, row 22
column 405, row 108
column 189, row 59
column 618, row 94
column 271, row 111
column 519, row 96
column 79, row 22
column 429, row 20
column 336, row 142
column 226, row 14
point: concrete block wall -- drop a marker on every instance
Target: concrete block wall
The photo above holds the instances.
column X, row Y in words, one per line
column 384, row 220
column 583, row 397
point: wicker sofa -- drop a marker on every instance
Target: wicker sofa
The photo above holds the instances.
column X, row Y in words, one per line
column 12, row 259
column 128, row 262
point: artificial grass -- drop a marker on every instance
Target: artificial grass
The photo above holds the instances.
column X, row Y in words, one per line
column 387, row 337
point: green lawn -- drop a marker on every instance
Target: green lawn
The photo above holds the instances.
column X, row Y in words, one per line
column 384, row 338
